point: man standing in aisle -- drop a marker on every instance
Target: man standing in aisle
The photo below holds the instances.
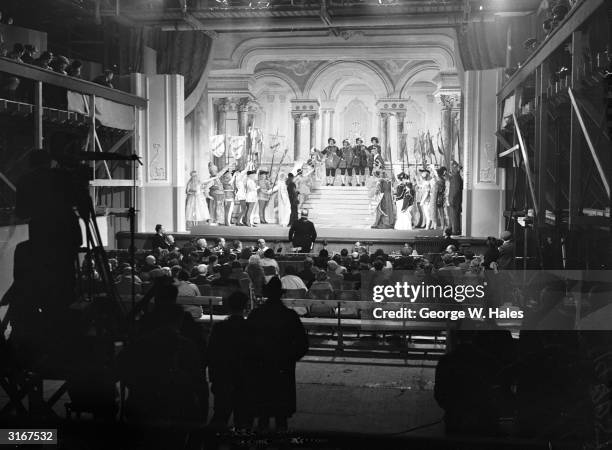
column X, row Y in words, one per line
column 302, row 233
column 455, row 197
column 263, row 194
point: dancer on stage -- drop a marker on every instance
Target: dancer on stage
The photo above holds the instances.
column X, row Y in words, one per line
column 240, row 185
column 316, row 161
column 346, row 162
column 217, row 207
column 428, row 204
column 362, row 159
column 264, row 194
column 404, row 200
column 331, row 154
column 196, row 209
column 385, row 216
column 284, row 205
column 378, row 161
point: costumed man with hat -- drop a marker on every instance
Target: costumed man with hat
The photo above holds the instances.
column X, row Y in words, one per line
column 217, row 207
column 373, row 150
column 263, row 194
column 346, row 162
column 302, row 233
column 361, row 157
column 251, row 196
column 332, row 158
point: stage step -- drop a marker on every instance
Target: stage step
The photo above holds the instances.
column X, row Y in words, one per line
column 340, row 207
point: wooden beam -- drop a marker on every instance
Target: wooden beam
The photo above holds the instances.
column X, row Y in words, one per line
column 527, row 165
column 38, row 114
column 589, row 142
column 70, row 83
column 574, row 19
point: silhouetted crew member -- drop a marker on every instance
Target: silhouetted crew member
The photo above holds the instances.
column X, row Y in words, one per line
column 279, row 341
column 228, row 352
column 302, row 233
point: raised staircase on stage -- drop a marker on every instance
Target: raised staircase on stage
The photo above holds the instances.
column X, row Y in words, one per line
column 339, row 207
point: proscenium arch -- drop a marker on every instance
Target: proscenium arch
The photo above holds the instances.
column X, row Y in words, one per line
column 270, row 75
column 425, row 71
column 325, row 79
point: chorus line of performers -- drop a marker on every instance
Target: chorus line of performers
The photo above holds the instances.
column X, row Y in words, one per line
column 231, row 197
column 352, row 161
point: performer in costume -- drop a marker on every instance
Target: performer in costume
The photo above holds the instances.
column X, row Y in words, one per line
column 361, row 156
column 385, row 216
column 378, row 161
column 227, row 181
column 404, row 200
column 196, row 209
column 331, row 160
column 425, row 194
column 240, row 185
column 284, row 206
column 217, row 207
column 263, row 194
column 441, row 197
column 373, row 150
column 316, row 161
column 455, row 197
column 293, row 198
column 346, row 162
column 251, row 196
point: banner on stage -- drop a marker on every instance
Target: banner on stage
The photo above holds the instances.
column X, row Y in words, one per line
column 217, row 145
column 237, row 145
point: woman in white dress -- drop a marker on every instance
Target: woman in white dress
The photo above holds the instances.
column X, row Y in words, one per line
column 196, row 209
column 425, row 202
column 284, row 207
column 404, row 201
column 251, row 196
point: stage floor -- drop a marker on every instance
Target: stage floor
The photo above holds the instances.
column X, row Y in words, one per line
column 276, row 232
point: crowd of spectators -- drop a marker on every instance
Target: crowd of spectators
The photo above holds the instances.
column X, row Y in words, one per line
column 12, row 88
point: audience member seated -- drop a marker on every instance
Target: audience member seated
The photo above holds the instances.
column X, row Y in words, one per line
column 291, row 280
column 505, row 261
column 345, row 259
column 261, row 247
column 255, row 272
column 124, row 285
column 236, row 248
column 59, row 64
column 333, row 276
column 44, row 60
column 492, row 252
column 279, row 341
column 220, row 248
column 74, row 69
column 321, row 288
column 213, row 266
column 17, row 52
column 202, row 246
column 269, row 264
column 28, row 54
column 188, row 289
column 160, row 239
column 228, row 365
column 309, row 273
column 321, row 260
column 448, row 240
column 201, row 279
column 354, row 274
column 225, row 278
column 106, row 79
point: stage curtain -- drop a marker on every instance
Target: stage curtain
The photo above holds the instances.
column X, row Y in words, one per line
column 178, row 52
column 482, row 45
column 182, row 52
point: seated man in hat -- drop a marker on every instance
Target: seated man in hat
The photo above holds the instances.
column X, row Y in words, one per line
column 302, row 233
column 263, row 194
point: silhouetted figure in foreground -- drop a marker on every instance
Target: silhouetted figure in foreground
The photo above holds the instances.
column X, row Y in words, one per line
column 228, row 352
column 279, row 342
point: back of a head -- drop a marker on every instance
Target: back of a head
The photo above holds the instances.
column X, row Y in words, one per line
column 378, row 264
column 308, row 262
column 344, row 252
column 225, row 271
column 323, row 253
column 448, row 232
column 166, row 295
column 183, row 275
column 158, row 227
column 290, row 270
column 236, row 302
column 269, row 253
column 273, row 289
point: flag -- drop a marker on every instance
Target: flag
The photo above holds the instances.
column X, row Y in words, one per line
column 217, row 145
column 237, row 144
